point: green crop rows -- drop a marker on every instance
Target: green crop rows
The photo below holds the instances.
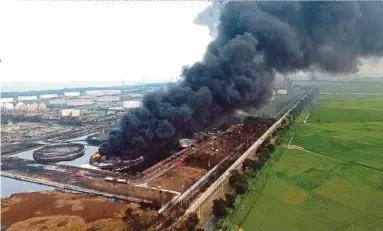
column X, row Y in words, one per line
column 329, row 178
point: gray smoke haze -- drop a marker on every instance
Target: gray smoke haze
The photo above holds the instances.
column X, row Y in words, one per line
column 210, row 17
column 254, row 41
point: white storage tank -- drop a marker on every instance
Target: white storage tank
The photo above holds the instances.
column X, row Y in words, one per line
column 32, row 108
column 42, row 107
column 8, row 106
column 131, row 104
column 20, row 106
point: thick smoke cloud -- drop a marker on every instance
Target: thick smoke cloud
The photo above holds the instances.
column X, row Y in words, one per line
column 210, row 17
column 254, row 41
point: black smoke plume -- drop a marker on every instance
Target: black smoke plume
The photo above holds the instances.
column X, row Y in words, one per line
column 210, row 17
column 254, row 41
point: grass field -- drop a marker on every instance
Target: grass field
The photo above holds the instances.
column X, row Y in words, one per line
column 329, row 178
column 345, row 87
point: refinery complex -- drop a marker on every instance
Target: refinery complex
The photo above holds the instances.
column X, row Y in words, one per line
column 64, row 142
column 266, row 131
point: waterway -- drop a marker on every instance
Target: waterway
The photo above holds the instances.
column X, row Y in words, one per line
column 11, row 186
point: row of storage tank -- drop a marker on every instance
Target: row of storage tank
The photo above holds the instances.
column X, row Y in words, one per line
column 108, row 94
column 42, row 107
column 20, row 106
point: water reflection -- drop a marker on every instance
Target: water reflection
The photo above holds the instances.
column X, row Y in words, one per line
column 10, row 186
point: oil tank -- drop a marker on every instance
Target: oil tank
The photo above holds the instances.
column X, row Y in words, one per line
column 42, row 107
column 33, row 107
column 8, row 106
column 20, row 106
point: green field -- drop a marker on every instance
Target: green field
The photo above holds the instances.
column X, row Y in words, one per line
column 360, row 86
column 329, row 178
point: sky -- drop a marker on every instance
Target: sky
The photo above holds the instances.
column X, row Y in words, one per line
column 57, row 42
column 63, row 44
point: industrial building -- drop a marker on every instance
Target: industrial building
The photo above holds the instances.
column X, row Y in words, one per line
column 131, row 104
column 57, row 103
column 48, row 96
column 79, row 102
column 107, row 98
column 71, row 94
column 70, row 113
column 6, row 100
column 27, row 98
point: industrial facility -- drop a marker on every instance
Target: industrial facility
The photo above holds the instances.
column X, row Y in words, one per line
column 180, row 174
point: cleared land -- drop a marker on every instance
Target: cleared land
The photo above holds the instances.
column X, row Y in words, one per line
column 66, row 211
column 329, row 178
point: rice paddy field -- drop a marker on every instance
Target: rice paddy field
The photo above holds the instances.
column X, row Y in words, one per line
column 330, row 177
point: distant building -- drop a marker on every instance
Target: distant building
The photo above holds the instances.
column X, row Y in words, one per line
column 131, row 104
column 79, row 102
column 70, row 113
column 48, row 96
column 112, row 92
column 113, row 110
column 107, row 98
column 71, row 94
column 94, row 93
column 6, row 100
column 27, row 98
column 57, row 102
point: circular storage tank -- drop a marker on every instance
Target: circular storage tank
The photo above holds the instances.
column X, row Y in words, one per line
column 58, row 152
column 42, row 107
column 32, row 107
column 8, row 107
column 79, row 102
column 96, row 139
column 20, row 106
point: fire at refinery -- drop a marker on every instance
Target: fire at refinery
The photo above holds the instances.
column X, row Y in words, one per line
column 253, row 43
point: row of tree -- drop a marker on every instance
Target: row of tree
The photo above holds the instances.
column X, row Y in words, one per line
column 240, row 182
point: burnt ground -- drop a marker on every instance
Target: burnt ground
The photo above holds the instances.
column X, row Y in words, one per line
column 196, row 161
